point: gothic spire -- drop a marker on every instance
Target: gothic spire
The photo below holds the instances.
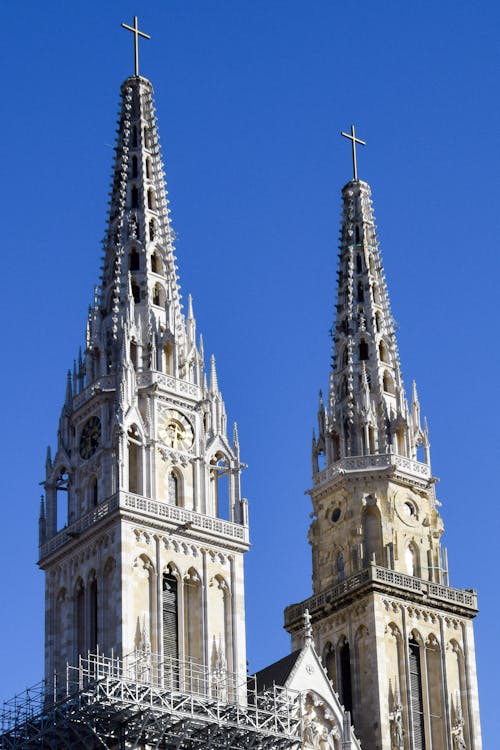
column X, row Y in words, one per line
column 368, row 411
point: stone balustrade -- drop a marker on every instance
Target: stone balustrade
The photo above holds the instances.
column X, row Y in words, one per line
column 425, row 590
column 127, row 501
column 367, row 463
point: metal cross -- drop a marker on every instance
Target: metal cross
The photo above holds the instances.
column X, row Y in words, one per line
column 135, row 30
column 354, row 140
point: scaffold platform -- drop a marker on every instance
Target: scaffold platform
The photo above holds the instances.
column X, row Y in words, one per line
column 141, row 702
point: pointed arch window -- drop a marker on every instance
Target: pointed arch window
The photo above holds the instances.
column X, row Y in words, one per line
column 151, row 200
column 148, row 168
column 416, row 696
column 173, row 488
column 361, row 292
column 134, row 166
column 158, row 295
column 382, row 350
column 359, row 264
column 378, row 322
column 388, row 383
column 155, row 263
column 134, row 197
column 94, row 492
column 345, row 676
column 134, row 460
column 147, row 138
column 363, row 350
column 134, row 136
column 134, row 260
column 170, row 617
column 356, row 234
column 136, row 292
column 152, row 230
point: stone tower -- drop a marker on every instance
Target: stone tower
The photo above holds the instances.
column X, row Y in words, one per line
column 396, row 639
column 143, row 530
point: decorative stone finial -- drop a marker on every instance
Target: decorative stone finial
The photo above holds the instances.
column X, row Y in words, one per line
column 308, row 633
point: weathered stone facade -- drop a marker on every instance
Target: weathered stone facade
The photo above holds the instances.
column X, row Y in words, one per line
column 143, row 531
column 396, row 639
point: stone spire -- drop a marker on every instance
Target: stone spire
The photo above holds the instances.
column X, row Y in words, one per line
column 368, row 412
column 138, row 298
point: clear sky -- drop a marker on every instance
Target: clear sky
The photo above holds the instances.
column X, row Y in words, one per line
column 251, row 97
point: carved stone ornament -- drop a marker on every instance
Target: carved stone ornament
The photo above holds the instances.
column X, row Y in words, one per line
column 318, row 728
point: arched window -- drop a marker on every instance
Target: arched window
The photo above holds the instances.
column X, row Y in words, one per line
column 147, row 139
column 134, row 166
column 412, row 559
column 134, row 136
column 170, row 618
column 94, row 492
column 193, row 632
column 168, row 358
column 62, row 498
column 173, row 488
column 382, row 351
column 361, row 292
column 134, row 260
column 219, row 484
column 372, row 536
column 133, row 353
column 148, row 168
column 388, row 383
column 134, row 460
column 151, row 200
column 158, row 295
column 356, row 234
column 155, row 263
column 345, row 675
column 359, row 264
column 363, row 349
column 136, row 292
column 152, row 231
column 378, row 322
column 416, row 696
column 134, row 197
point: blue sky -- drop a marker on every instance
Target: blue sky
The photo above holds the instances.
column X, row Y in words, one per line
column 251, row 97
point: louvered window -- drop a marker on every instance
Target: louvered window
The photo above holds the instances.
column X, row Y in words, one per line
column 169, row 612
column 417, row 706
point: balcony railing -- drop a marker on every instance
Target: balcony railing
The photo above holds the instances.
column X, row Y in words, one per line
column 157, row 509
column 367, row 463
column 421, row 589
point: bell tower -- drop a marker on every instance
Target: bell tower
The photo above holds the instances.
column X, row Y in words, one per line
column 396, row 638
column 143, row 528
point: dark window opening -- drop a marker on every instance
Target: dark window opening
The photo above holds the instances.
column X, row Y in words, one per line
column 134, row 166
column 148, row 168
column 136, row 292
column 363, row 350
column 93, row 617
column 134, row 136
column 359, row 264
column 345, row 677
column 356, row 235
column 152, row 230
column 135, row 197
column 361, row 293
column 155, row 263
column 151, row 200
column 134, row 260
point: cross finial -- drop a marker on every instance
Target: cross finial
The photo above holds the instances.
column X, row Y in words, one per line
column 354, row 140
column 135, row 30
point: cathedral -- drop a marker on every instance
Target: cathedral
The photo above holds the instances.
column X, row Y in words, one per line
column 143, row 527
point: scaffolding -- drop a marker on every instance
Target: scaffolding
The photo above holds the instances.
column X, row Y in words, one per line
column 143, row 702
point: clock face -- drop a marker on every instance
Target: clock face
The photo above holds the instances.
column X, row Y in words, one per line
column 176, row 431
column 90, row 437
